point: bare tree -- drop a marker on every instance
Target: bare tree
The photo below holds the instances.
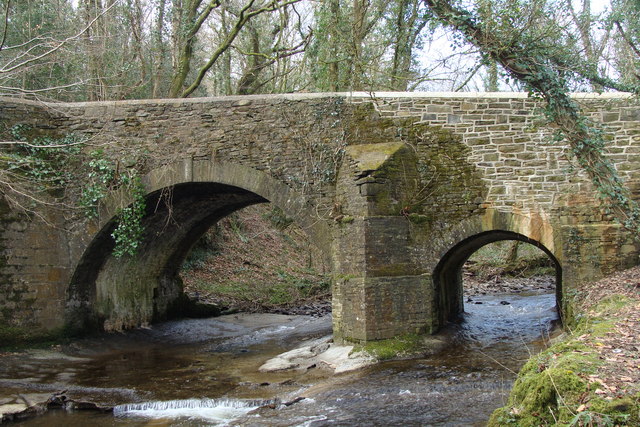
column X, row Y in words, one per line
column 39, row 48
column 194, row 21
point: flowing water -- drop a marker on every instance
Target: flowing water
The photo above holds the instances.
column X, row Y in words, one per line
column 204, row 372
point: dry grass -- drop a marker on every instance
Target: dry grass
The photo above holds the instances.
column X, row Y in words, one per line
column 619, row 348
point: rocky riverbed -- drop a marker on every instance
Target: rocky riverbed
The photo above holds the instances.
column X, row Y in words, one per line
column 508, row 285
column 244, row 358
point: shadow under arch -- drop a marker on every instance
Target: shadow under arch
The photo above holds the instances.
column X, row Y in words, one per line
column 183, row 201
column 447, row 275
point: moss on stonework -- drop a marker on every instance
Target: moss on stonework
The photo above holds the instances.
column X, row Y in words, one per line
column 438, row 155
column 367, row 127
column 15, row 337
column 346, row 219
column 392, row 348
column 408, row 345
column 371, row 157
column 419, row 218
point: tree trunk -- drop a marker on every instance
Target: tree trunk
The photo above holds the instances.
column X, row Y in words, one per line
column 334, row 65
column 159, row 50
column 185, row 39
column 512, row 254
column 94, row 39
column 355, row 68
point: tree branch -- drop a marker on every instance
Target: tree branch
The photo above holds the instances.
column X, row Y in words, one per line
column 626, row 38
column 6, row 25
column 244, row 16
column 60, row 44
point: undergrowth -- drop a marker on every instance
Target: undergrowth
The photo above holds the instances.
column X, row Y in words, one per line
column 508, row 258
column 256, row 260
column 559, row 386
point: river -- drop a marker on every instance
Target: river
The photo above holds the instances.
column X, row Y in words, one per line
column 203, row 372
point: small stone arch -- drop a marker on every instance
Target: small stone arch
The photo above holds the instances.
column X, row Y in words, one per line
column 183, row 201
column 470, row 236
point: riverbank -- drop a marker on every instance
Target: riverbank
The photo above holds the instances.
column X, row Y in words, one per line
column 591, row 374
column 258, row 261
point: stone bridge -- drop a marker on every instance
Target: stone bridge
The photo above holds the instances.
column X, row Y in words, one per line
column 397, row 189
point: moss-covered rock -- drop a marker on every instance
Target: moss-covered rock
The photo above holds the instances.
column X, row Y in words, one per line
column 553, row 387
column 407, row 345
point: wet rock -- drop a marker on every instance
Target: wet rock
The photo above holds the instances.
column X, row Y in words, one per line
column 474, row 287
column 505, row 303
column 315, row 309
column 199, row 310
column 86, row 406
column 10, row 411
column 320, row 353
column 296, row 400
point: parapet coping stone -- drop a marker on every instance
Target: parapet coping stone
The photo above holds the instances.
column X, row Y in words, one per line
column 248, row 99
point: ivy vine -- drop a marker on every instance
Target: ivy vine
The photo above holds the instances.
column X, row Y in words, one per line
column 103, row 177
column 543, row 70
column 55, row 164
column 41, row 160
column 129, row 231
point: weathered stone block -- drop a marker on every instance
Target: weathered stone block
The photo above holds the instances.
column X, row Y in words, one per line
column 511, row 148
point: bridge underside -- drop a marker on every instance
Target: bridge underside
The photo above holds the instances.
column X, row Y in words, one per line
column 117, row 293
column 447, row 276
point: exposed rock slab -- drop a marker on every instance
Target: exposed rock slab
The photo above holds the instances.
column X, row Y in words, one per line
column 321, row 353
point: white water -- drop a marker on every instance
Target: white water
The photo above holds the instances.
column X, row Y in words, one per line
column 213, row 411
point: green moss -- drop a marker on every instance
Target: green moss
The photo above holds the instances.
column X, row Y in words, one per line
column 346, row 219
column 553, row 385
column 599, row 324
column 16, row 338
column 371, row 157
column 392, row 348
column 612, row 304
column 419, row 219
column 548, row 387
column 620, row 411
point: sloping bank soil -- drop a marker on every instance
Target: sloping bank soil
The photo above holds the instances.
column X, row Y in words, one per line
column 258, row 261
column 591, row 375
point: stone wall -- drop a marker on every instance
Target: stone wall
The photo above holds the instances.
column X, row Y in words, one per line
column 388, row 185
column 34, row 254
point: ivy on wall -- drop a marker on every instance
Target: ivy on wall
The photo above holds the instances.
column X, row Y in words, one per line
column 57, row 166
column 543, row 72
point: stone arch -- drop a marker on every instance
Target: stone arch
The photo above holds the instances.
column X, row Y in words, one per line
column 471, row 235
column 183, row 200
